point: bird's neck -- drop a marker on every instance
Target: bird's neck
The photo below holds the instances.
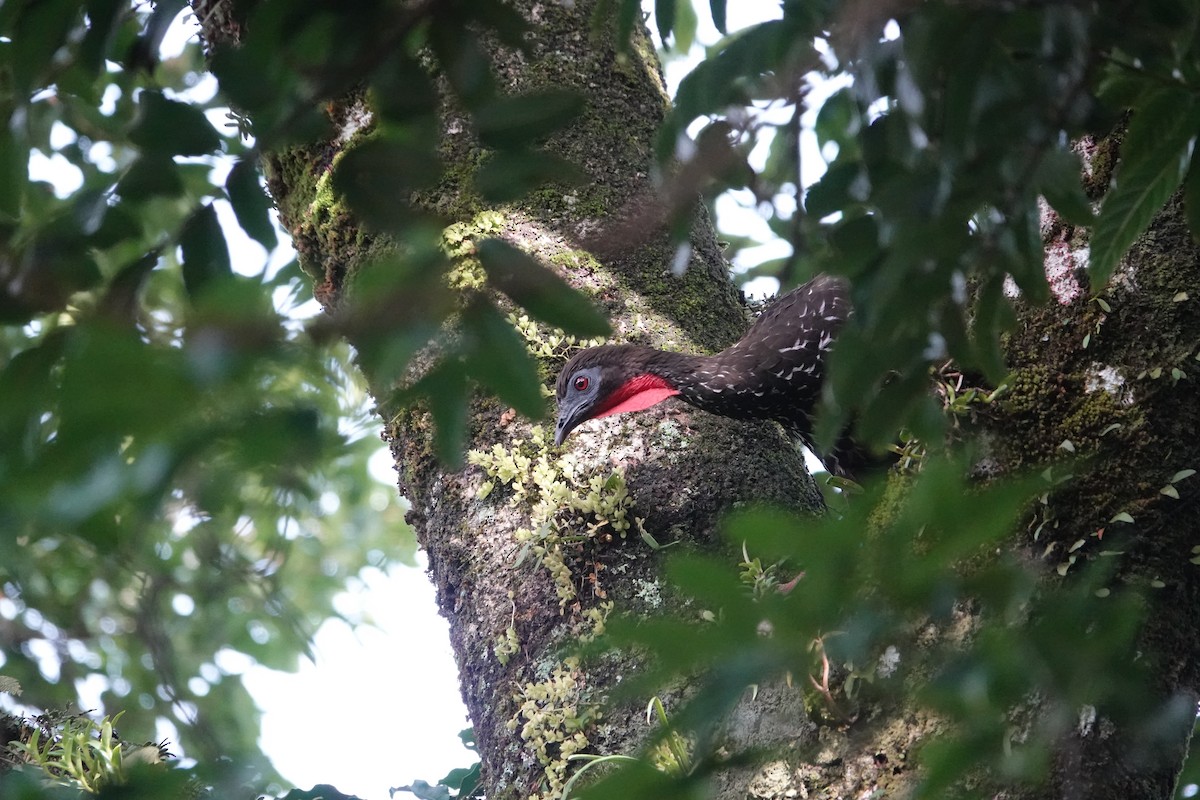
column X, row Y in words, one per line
column 700, row 380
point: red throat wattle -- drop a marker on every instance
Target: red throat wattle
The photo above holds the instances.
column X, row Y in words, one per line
column 637, row 393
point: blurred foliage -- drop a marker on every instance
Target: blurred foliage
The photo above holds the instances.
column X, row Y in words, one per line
column 957, row 119
column 61, row 754
column 291, row 58
column 178, row 481
column 464, row 782
column 954, row 122
column 183, row 481
column 906, row 603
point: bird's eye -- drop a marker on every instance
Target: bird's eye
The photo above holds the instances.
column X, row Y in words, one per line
column 581, row 383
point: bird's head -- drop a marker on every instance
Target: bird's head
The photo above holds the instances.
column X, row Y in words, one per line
column 604, row 380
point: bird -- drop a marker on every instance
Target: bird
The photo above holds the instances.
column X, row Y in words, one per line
column 774, row 372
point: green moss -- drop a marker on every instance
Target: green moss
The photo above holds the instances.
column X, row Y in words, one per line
column 575, row 259
column 552, row 717
column 567, row 503
column 586, row 201
column 329, row 242
column 891, row 503
column 459, row 241
column 1102, row 162
column 454, row 196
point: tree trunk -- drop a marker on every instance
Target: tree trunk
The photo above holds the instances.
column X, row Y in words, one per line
column 532, row 546
column 1104, row 388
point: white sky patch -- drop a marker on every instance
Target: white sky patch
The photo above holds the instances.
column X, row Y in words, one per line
column 108, row 103
column 183, row 30
column 248, row 257
column 398, row 677
column 62, row 175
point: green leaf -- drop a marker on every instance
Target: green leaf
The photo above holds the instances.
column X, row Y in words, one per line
column 250, row 204
column 685, row 26
column 145, row 390
column 1059, row 180
column 54, row 266
column 1122, row 516
column 205, row 254
column 14, row 173
column 840, row 186
column 445, row 386
column 510, row 27
column 172, row 128
column 88, row 209
column 627, row 14
column 144, row 52
column 151, row 175
column 463, row 60
column 277, row 437
column 839, row 121
column 120, row 224
column 509, row 175
column 1155, row 153
column 538, row 290
column 463, row 779
column 104, row 21
column 1182, row 475
column 719, row 80
column 728, row 77
column 401, row 89
column 423, row 790
column 39, row 32
column 322, row 791
column 856, row 245
column 519, row 119
column 717, row 7
column 497, row 358
column 120, row 302
column 1191, row 198
column 664, row 17
column 378, row 177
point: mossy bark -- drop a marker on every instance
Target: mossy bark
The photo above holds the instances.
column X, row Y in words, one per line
column 519, row 606
column 1103, row 387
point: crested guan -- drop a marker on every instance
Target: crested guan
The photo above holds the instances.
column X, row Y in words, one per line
column 773, row 372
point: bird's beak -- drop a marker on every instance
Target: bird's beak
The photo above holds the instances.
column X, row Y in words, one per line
column 569, row 417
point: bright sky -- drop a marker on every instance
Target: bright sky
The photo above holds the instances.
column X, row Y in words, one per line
column 389, row 694
column 396, row 681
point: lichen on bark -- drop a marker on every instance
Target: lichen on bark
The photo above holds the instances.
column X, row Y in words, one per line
column 1101, row 392
column 513, row 619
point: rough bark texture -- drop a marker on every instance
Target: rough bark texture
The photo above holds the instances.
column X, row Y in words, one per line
column 519, row 603
column 1114, row 379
